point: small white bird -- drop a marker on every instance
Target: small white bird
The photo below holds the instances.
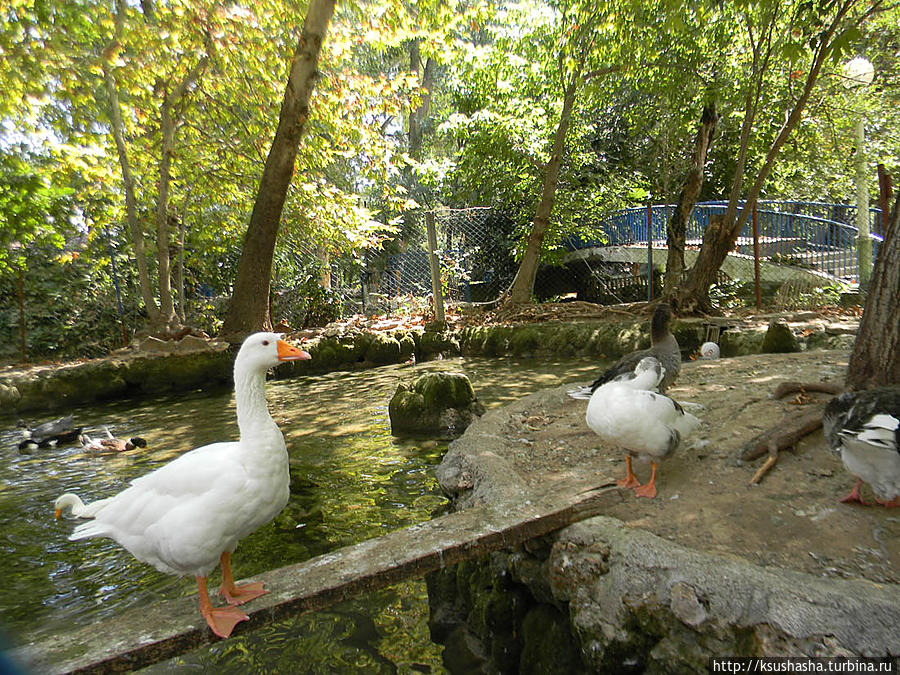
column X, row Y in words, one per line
column 190, row 514
column 864, row 426
column 629, row 413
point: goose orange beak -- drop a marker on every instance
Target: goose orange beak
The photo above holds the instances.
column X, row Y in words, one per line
column 287, row 352
column 58, row 513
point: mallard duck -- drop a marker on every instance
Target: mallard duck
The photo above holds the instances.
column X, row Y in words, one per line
column 864, row 426
column 629, row 413
column 111, row 443
column 190, row 514
column 56, row 432
column 663, row 347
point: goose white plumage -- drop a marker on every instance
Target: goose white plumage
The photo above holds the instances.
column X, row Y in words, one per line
column 864, row 427
column 190, row 514
column 629, row 413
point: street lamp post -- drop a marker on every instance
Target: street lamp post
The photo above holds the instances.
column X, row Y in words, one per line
column 858, row 74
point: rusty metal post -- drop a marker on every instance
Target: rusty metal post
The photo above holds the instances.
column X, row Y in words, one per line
column 756, row 259
column 649, row 250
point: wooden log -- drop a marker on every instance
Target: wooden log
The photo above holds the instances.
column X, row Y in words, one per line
column 786, row 388
column 782, row 437
column 140, row 637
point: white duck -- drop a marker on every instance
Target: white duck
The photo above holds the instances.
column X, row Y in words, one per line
column 864, row 426
column 190, row 514
column 628, row 412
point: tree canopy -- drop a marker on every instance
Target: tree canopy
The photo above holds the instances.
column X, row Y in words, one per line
column 133, row 135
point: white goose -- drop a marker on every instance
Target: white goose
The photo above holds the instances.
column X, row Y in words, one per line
column 628, row 412
column 190, row 514
column 864, row 426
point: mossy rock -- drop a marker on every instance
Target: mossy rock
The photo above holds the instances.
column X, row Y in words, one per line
column 741, row 343
column 383, row 349
column 496, row 342
column 435, row 403
column 432, row 343
column 407, row 342
column 823, row 340
column 779, row 339
column 526, row 341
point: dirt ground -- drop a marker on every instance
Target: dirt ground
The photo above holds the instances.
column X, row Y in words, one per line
column 791, row 519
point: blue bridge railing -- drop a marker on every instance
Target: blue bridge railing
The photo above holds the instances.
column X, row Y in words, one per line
column 814, row 235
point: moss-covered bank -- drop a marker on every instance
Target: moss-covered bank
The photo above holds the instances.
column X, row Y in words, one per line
column 134, row 374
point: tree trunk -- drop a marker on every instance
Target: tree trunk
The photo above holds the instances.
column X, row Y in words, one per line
column 523, row 284
column 248, row 309
column 118, row 129
column 168, row 319
column 875, row 360
column 167, row 149
column 419, row 116
column 677, row 226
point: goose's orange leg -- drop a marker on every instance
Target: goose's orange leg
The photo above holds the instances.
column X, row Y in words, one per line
column 854, row 497
column 630, row 480
column 895, row 502
column 221, row 620
column 237, row 595
column 649, row 488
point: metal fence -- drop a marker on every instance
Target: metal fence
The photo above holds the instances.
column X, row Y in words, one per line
column 475, row 254
column 793, row 233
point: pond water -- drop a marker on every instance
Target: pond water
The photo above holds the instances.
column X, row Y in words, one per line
column 351, row 481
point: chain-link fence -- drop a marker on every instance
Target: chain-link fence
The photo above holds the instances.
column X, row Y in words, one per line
column 474, row 248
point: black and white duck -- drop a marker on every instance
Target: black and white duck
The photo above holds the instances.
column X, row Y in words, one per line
column 663, row 347
column 864, row 426
column 628, row 412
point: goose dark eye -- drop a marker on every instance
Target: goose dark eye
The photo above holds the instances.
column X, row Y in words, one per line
column 265, row 343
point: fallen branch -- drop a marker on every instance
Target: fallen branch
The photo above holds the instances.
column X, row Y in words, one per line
column 768, row 464
column 786, row 388
column 780, row 438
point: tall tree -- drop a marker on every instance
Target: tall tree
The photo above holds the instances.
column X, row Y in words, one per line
column 875, row 359
column 827, row 33
column 578, row 30
column 248, row 310
column 676, row 228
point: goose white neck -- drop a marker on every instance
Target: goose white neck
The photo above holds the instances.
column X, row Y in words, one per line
column 250, row 398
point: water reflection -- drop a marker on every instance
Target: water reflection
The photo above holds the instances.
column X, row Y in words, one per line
column 350, row 481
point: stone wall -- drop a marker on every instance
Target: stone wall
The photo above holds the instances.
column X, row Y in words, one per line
column 172, row 367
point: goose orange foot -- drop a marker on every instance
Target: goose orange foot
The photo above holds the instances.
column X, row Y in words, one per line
column 233, row 594
column 895, row 502
column 854, row 497
column 630, row 480
column 221, row 620
column 649, row 489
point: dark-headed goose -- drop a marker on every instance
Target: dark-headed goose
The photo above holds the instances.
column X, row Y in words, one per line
column 663, row 347
column 629, row 413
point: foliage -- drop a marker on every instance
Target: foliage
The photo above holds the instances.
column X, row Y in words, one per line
column 494, row 107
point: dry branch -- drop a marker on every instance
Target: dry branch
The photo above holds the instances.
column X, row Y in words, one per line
column 782, row 437
column 786, row 388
